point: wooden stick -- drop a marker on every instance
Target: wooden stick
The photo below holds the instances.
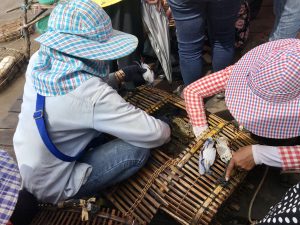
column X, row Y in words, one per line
column 41, row 6
column 36, row 16
column 13, row 9
column 26, row 32
column 141, row 210
column 176, row 217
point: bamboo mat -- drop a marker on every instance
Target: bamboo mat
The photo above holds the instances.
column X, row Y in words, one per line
column 170, row 181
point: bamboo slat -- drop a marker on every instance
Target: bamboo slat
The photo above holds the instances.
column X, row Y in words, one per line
column 56, row 216
column 171, row 182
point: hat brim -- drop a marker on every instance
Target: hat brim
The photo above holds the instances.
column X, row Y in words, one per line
column 263, row 118
column 118, row 46
column 9, row 187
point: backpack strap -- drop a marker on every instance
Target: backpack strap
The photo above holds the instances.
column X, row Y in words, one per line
column 40, row 123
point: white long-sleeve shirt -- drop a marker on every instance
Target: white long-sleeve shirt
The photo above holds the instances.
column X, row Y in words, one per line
column 72, row 121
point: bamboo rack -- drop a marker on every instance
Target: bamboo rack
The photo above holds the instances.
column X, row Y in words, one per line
column 173, row 184
column 55, row 216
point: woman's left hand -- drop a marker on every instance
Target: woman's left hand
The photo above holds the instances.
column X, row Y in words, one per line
column 242, row 159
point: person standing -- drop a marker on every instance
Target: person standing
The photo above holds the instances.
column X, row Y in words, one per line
column 126, row 16
column 191, row 19
column 287, row 19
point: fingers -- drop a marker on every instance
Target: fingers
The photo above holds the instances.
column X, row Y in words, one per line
column 229, row 169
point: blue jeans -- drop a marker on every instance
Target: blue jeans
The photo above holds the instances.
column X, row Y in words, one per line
column 191, row 17
column 112, row 162
column 287, row 19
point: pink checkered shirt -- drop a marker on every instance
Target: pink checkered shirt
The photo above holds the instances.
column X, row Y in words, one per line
column 290, row 156
column 216, row 83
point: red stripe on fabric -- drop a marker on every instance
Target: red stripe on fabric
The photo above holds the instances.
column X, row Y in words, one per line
column 204, row 87
column 290, row 156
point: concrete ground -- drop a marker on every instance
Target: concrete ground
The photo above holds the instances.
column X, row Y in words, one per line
column 259, row 31
column 9, row 95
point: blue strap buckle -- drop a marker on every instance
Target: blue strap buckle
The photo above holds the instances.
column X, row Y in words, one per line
column 38, row 114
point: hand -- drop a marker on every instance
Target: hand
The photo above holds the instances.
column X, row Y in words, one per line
column 134, row 73
column 241, row 159
column 200, row 130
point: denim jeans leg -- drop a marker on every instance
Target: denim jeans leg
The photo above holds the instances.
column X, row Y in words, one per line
column 221, row 17
column 189, row 17
column 111, row 162
column 287, row 19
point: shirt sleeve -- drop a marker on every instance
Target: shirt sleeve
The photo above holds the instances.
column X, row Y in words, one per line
column 115, row 116
column 287, row 157
column 290, row 156
column 267, row 155
column 204, row 87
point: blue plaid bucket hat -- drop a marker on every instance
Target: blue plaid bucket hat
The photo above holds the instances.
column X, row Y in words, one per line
column 82, row 28
column 9, row 186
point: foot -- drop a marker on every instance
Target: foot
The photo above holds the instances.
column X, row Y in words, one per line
column 179, row 91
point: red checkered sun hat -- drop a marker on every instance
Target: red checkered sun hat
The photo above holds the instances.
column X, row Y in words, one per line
column 263, row 91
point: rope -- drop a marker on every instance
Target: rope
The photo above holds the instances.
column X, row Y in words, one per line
column 252, row 222
column 148, row 185
column 186, row 193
